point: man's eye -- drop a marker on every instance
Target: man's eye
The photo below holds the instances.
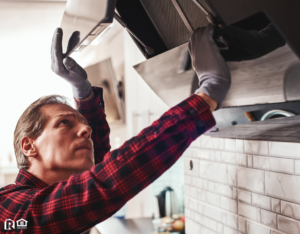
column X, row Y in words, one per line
column 64, row 121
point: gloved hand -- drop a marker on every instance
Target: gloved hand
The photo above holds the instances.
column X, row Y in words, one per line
column 67, row 68
column 248, row 45
column 211, row 68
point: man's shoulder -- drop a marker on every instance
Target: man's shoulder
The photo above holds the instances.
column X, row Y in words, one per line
column 14, row 192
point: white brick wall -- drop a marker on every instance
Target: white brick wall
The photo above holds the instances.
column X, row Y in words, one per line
column 242, row 187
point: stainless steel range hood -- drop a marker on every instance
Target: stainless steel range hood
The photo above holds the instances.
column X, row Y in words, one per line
column 253, row 82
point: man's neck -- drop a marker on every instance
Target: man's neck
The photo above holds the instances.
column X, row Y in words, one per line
column 50, row 176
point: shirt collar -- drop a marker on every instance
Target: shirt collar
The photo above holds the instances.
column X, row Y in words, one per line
column 26, row 178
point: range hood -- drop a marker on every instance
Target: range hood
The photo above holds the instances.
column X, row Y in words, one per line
column 163, row 28
column 256, row 81
column 160, row 25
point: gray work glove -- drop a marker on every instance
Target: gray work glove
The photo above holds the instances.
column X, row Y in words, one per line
column 67, row 68
column 211, row 68
column 247, row 45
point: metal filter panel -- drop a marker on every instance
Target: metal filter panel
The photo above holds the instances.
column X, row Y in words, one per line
column 169, row 23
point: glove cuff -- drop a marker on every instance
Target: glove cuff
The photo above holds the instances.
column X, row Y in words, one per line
column 83, row 90
column 215, row 88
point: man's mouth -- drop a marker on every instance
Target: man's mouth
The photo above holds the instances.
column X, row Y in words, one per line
column 86, row 146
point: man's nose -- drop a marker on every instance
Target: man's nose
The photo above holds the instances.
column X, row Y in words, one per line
column 85, row 131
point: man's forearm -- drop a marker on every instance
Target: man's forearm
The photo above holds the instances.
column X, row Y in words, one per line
column 211, row 102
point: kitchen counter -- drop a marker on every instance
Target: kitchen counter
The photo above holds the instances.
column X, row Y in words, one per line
column 126, row 226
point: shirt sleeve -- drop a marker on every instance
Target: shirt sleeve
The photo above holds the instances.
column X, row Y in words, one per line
column 87, row 198
column 94, row 112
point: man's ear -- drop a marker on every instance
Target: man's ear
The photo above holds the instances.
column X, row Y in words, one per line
column 28, row 147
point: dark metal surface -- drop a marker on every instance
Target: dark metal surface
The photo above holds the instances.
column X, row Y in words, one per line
column 169, row 23
column 136, row 18
column 285, row 15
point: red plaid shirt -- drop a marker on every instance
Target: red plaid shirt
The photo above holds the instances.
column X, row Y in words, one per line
column 85, row 199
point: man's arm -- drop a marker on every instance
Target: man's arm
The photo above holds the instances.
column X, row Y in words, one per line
column 92, row 108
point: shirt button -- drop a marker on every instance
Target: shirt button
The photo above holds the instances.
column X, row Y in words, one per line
column 200, row 124
column 192, row 112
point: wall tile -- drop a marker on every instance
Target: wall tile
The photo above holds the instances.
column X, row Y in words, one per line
column 222, row 216
column 268, row 219
column 297, row 167
column 193, row 192
column 274, row 164
column 187, row 179
column 230, row 144
column 244, row 196
column 275, row 205
column 194, row 152
column 190, row 204
column 222, row 189
column 187, row 190
column 209, row 223
column 290, row 209
column 205, row 184
column 241, row 159
column 261, row 201
column 239, row 146
column 210, row 198
column 256, row 147
column 196, row 182
column 250, row 160
column 212, row 143
column 249, row 212
column 187, row 153
column 218, row 156
column 211, row 212
column 276, row 232
column 283, row 186
column 195, row 170
column 206, row 154
column 289, row 150
column 229, row 204
column 231, row 175
column 213, row 171
column 234, row 193
column 227, row 230
column 196, row 143
column 205, row 230
column 192, row 227
column 229, row 157
column 242, row 224
column 251, row 179
column 253, row 228
column 288, row 225
column 189, row 214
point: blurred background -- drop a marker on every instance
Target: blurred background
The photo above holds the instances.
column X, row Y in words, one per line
column 26, row 32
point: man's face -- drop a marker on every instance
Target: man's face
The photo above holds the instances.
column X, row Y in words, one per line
column 65, row 143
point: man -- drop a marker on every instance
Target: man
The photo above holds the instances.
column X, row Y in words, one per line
column 68, row 180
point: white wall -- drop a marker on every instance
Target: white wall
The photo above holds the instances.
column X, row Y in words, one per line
column 26, row 30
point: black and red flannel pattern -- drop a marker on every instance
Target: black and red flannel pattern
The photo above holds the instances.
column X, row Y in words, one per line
column 85, row 199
